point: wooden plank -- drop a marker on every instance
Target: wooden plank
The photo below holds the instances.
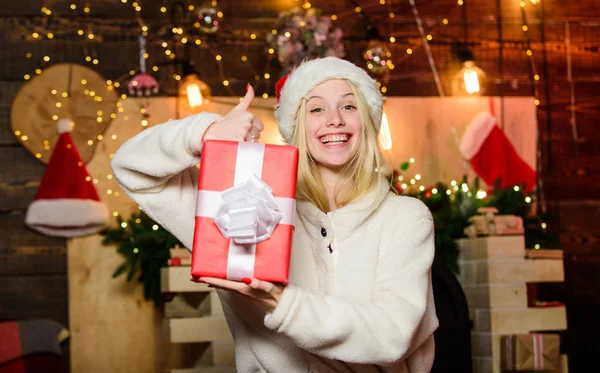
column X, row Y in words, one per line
column 110, row 321
column 8, row 91
column 177, row 279
column 579, row 226
column 582, row 279
column 206, row 369
column 197, row 329
column 19, row 166
column 25, row 252
column 17, row 197
column 29, row 297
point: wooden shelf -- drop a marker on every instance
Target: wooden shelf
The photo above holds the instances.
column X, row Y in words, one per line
column 177, row 279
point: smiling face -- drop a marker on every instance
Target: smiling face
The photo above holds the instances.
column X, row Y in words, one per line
column 333, row 126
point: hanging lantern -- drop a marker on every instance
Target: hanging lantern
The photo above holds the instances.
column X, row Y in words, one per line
column 194, row 91
column 209, row 19
column 378, row 57
column 470, row 80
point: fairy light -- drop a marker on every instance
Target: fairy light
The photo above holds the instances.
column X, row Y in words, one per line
column 529, row 53
column 528, row 199
column 516, row 188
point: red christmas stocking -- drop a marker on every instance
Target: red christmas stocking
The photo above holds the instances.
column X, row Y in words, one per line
column 492, row 155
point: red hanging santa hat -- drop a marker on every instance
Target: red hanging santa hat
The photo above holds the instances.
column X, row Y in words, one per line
column 493, row 156
column 67, row 203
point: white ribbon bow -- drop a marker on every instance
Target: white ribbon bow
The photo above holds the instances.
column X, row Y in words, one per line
column 249, row 212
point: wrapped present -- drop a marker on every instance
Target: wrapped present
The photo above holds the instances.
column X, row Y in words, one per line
column 245, row 211
column 531, row 352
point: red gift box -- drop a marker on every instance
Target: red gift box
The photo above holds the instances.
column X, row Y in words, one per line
column 223, row 166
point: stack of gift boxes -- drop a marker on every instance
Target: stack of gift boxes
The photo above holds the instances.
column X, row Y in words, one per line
column 507, row 335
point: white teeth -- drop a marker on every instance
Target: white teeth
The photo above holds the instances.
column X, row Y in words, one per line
column 335, row 139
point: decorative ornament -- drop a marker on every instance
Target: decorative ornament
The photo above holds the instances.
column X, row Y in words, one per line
column 67, row 203
column 378, row 57
column 305, row 34
column 142, row 84
column 492, row 155
column 63, row 91
column 210, row 18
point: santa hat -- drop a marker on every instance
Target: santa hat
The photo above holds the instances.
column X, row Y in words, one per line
column 67, row 203
column 292, row 88
column 492, row 155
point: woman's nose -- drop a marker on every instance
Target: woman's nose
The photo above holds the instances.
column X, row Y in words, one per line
column 335, row 119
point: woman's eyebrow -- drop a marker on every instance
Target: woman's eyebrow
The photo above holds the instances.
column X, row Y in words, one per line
column 316, row 96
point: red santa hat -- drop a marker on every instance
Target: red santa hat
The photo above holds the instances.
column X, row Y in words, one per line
column 67, row 203
column 493, row 156
column 292, row 88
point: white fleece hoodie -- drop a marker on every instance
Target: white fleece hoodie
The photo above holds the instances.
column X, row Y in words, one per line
column 364, row 306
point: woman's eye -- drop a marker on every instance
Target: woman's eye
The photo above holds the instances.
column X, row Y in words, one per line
column 316, row 110
column 349, row 107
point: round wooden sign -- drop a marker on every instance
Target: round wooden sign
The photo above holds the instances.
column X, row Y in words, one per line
column 63, row 91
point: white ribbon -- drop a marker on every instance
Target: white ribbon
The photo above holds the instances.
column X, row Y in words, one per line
column 249, row 213
column 246, row 213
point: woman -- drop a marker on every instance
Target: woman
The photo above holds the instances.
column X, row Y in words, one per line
column 359, row 297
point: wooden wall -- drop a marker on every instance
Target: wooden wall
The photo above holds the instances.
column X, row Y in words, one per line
column 33, row 268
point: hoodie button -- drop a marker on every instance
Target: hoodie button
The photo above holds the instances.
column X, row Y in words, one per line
column 323, row 232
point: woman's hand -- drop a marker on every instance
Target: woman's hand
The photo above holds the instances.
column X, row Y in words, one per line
column 266, row 293
column 238, row 125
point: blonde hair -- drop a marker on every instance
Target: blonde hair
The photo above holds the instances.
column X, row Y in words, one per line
column 361, row 174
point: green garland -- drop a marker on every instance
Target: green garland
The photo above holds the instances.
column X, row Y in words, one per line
column 145, row 246
column 453, row 205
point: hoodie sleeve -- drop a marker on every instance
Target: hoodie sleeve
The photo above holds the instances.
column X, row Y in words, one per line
column 399, row 318
column 157, row 169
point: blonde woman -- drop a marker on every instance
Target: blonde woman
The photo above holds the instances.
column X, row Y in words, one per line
column 359, row 297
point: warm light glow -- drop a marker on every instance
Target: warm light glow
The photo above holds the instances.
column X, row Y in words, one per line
column 194, row 95
column 471, row 81
column 195, row 90
column 385, row 138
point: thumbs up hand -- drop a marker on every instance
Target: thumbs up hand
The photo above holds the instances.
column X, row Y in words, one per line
column 239, row 124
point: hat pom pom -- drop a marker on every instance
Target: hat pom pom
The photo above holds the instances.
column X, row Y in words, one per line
column 64, row 125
